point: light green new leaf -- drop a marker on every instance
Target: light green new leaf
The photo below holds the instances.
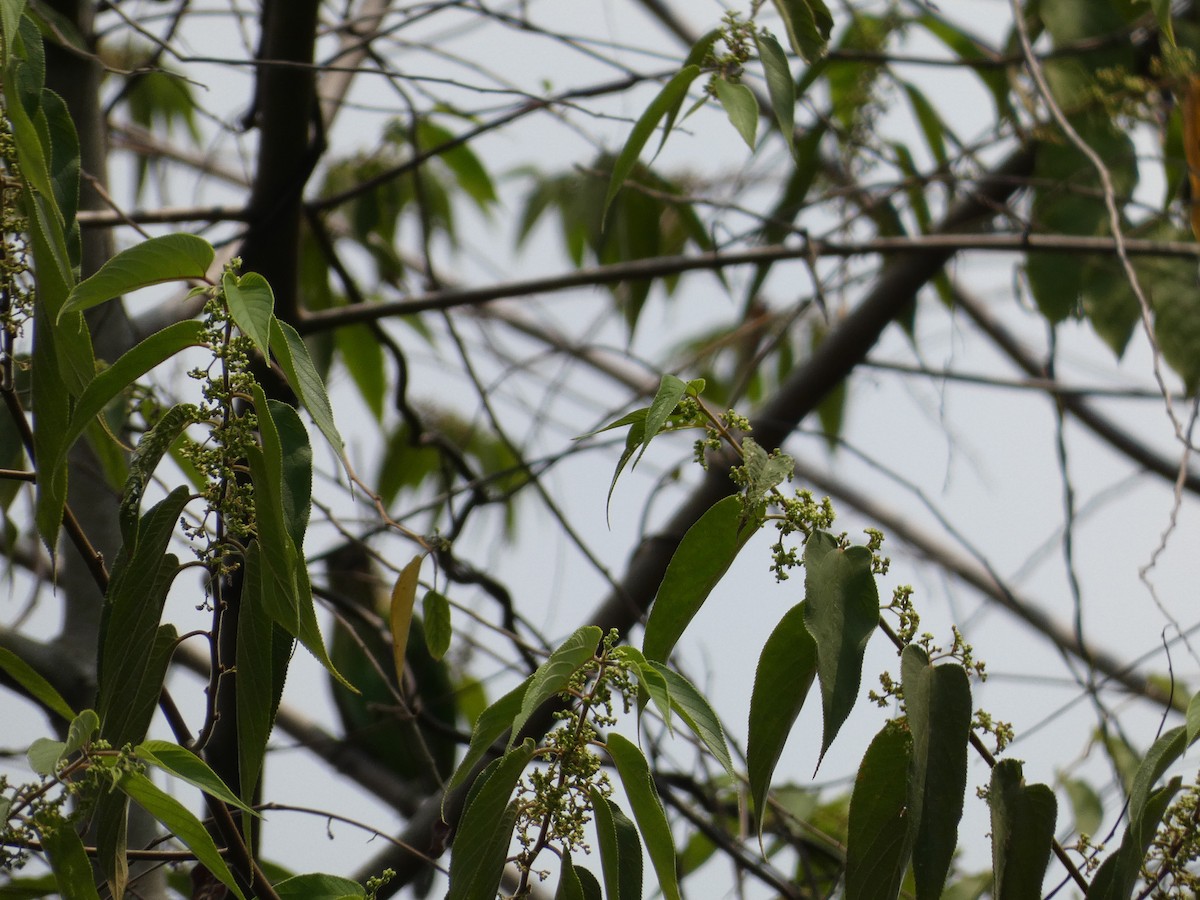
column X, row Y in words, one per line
column 435, row 610
column 781, row 87
column 69, row 863
column 553, row 676
column 180, row 822
column 318, row 886
column 878, row 836
column 485, row 829
column 763, row 472
column 670, row 391
column 187, row 766
column 740, row 106
column 81, row 730
column 252, row 306
column 785, row 673
column 172, row 257
column 808, row 24
column 10, row 18
column 34, row 684
column 620, row 850
column 669, row 99
column 701, row 559
column 938, row 703
column 694, row 709
column 44, row 754
column 292, row 353
column 650, row 681
column 647, row 811
column 841, row 612
column 491, row 725
column 1162, row 12
column 1022, row 831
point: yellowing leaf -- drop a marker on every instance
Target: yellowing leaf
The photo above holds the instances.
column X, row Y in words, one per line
column 404, row 595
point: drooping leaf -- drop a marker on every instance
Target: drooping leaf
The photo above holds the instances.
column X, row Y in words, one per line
column 435, row 609
column 1162, row 753
column 1193, row 717
column 785, row 673
column 69, row 863
column 485, row 828
column 1086, row 805
column 620, row 850
column 938, row 703
column 648, row 811
column 553, row 676
column 296, row 468
column 171, row 257
column 400, row 612
column 362, row 355
column 491, row 725
column 180, row 822
column 841, row 612
column 34, row 684
column 146, row 457
column 668, row 99
column 808, row 24
column 781, row 87
column 701, row 559
column 1022, row 831
column 650, row 680
column 251, row 305
column 879, row 839
column 289, row 349
column 694, row 709
column 185, row 765
column 740, row 106
column 576, row 884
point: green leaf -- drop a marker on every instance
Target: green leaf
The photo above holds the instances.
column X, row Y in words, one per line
column 740, row 106
column 81, row 730
column 10, row 18
column 553, row 676
column 785, row 673
column 808, row 24
column 289, row 348
column 146, row 457
column 670, row 391
column 187, row 766
column 51, row 416
column 1162, row 13
column 575, row 884
column 1193, row 715
column 701, row 559
column 468, row 171
column 763, row 472
column 931, row 123
column 647, row 811
column 44, row 754
column 180, row 822
column 781, row 87
column 362, row 354
column 1086, row 805
column 251, row 305
column 485, row 829
column 938, row 703
column 435, row 610
column 63, row 166
column 69, row 863
column 1164, row 751
column 620, row 850
column 318, row 886
column 491, row 725
column 1022, row 831
column 694, row 709
column 296, row 469
column 879, row 841
column 668, row 100
column 1119, row 873
column 650, row 680
column 841, row 612
column 34, row 684
column 172, row 257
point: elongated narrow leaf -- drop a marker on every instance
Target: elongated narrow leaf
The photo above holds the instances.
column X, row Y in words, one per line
column 319, row 886
column 485, row 829
column 694, row 709
column 701, row 559
column 552, row 676
column 69, row 863
column 576, row 884
column 34, row 684
column 785, row 673
column 1193, row 718
column 289, row 348
column 620, row 850
column 491, row 725
column 10, row 18
column 670, row 392
column 781, row 87
column 295, row 458
column 435, row 610
column 650, row 681
column 1022, row 831
column 781, row 683
column 938, row 703
column 841, row 612
column 878, row 840
column 185, row 765
column 808, row 24
column 1119, row 873
column 172, row 257
column 1164, row 751
column 668, row 99
column 400, row 612
column 648, row 811
column 740, row 106
column 51, row 403
column 251, row 305
column 180, row 822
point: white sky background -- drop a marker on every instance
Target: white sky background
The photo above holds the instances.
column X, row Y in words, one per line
column 984, row 456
